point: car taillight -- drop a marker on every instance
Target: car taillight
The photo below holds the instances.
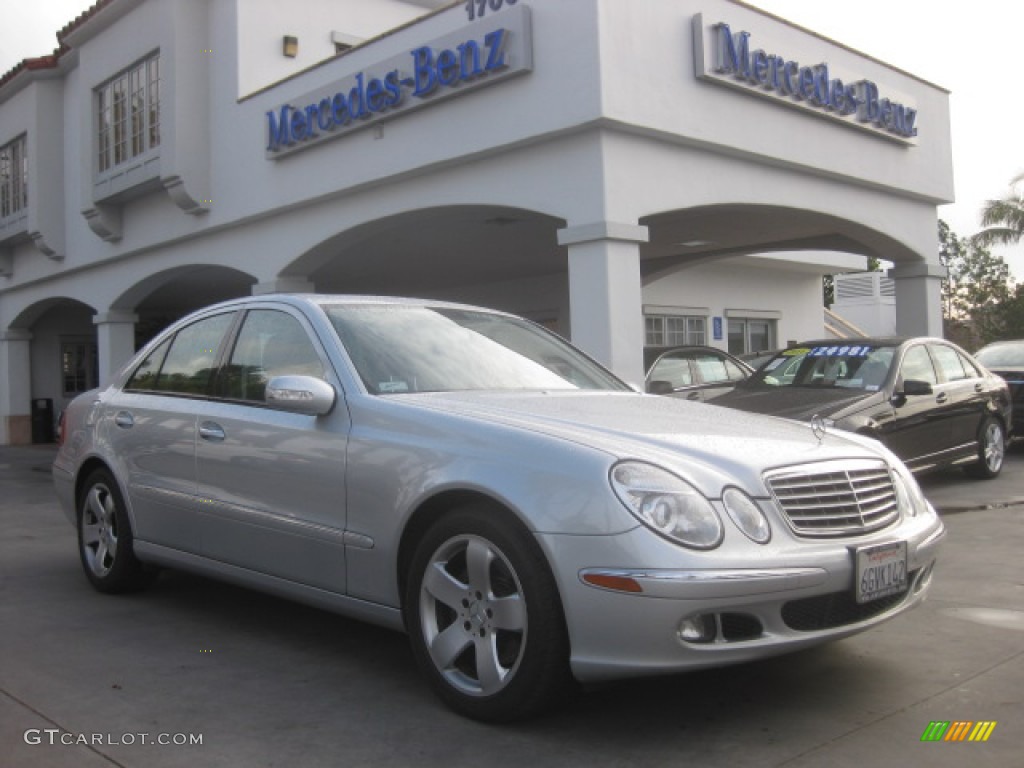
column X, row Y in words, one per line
column 61, row 420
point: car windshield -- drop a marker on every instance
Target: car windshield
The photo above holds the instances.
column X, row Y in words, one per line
column 850, row 366
column 409, row 348
column 1001, row 355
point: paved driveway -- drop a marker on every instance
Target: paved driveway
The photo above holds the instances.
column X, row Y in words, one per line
column 262, row 682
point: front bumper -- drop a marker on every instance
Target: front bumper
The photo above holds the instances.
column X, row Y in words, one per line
column 798, row 595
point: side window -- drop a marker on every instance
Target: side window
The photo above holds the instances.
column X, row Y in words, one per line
column 674, row 370
column 145, row 375
column 712, row 368
column 949, row 363
column 190, row 361
column 735, row 372
column 917, row 365
column 969, row 367
column 271, row 343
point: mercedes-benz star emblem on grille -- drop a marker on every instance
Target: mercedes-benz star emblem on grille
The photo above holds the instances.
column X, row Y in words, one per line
column 818, row 427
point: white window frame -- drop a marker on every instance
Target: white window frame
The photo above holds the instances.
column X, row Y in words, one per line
column 670, row 330
column 128, row 115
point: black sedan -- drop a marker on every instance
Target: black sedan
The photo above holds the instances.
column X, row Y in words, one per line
column 926, row 399
column 1006, row 359
column 692, row 372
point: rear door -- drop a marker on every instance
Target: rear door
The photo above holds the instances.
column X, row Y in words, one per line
column 151, row 427
column 966, row 399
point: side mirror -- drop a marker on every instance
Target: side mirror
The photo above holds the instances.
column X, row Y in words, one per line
column 300, row 394
column 913, row 387
column 658, row 387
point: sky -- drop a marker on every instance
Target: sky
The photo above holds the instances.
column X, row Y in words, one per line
column 968, row 48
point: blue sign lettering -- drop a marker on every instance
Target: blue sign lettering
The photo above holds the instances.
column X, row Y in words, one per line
column 811, row 85
column 425, row 73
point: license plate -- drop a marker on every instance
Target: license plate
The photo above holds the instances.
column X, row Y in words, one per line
column 881, row 571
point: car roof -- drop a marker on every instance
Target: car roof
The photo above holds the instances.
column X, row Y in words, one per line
column 652, row 354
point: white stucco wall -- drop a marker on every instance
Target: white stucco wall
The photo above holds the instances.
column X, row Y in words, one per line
column 610, row 125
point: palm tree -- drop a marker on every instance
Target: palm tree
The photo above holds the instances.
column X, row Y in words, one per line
column 1003, row 220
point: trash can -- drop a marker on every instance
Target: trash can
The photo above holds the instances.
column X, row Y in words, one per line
column 42, row 420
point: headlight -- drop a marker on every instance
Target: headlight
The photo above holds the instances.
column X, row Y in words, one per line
column 908, row 494
column 666, row 504
column 747, row 515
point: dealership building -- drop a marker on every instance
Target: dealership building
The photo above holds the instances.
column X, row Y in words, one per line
column 626, row 173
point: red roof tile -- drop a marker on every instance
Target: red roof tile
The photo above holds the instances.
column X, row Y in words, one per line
column 49, row 62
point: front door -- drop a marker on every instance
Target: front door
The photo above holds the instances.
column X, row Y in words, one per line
column 273, row 483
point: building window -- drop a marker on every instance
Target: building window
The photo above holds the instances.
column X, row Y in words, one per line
column 13, row 178
column 79, row 366
column 751, row 335
column 128, row 114
column 674, row 330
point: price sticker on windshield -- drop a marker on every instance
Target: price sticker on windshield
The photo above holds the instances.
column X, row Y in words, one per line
column 881, row 571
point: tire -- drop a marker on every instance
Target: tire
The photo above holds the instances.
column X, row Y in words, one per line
column 105, row 541
column 991, row 450
column 484, row 617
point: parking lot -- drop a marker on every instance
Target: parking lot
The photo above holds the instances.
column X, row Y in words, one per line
column 196, row 673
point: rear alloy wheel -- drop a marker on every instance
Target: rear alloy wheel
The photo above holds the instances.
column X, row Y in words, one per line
column 484, row 618
column 105, row 538
column 991, row 450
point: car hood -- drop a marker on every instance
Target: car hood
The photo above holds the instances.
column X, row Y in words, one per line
column 721, row 446
column 799, row 403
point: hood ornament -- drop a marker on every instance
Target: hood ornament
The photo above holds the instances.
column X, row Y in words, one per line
column 818, row 427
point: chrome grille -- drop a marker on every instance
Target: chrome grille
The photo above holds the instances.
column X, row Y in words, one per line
column 835, row 498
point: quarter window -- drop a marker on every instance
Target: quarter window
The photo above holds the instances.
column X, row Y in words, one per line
column 13, row 178
column 128, row 114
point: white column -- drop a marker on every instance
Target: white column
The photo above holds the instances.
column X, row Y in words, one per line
column 15, row 388
column 605, row 294
column 115, row 341
column 918, row 298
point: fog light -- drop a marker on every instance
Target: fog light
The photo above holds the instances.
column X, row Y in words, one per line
column 698, row 629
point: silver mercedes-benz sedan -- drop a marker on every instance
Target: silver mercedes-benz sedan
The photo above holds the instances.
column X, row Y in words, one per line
column 468, row 477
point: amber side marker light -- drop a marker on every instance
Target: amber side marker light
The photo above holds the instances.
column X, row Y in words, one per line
column 614, row 583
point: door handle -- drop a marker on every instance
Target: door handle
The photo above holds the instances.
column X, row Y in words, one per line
column 693, row 396
column 124, row 420
column 941, row 398
column 212, row 431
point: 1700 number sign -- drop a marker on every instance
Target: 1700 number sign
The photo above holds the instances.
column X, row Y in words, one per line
column 476, row 9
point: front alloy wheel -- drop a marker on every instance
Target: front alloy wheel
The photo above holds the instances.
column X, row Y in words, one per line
column 485, row 619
